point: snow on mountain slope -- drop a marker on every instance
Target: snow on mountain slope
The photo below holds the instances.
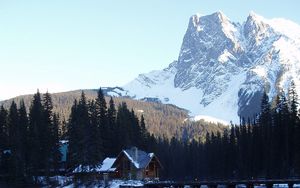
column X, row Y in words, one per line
column 223, row 67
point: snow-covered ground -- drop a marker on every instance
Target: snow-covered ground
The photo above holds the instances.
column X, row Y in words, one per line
column 67, row 182
column 111, row 184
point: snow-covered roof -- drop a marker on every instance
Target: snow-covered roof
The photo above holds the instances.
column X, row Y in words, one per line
column 138, row 158
column 105, row 166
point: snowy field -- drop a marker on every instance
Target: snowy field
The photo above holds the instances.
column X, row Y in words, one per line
column 67, row 182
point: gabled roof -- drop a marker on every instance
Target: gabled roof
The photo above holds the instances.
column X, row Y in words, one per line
column 138, row 158
column 107, row 165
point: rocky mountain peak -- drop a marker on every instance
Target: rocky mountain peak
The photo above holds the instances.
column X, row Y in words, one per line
column 223, row 66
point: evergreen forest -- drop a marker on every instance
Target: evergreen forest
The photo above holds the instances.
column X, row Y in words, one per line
column 266, row 146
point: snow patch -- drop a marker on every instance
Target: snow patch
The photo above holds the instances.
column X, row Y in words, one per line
column 209, row 119
column 225, row 57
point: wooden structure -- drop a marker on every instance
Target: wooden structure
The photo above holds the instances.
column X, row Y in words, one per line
column 136, row 164
column 228, row 183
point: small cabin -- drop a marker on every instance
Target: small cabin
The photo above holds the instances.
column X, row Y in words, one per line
column 136, row 164
column 130, row 164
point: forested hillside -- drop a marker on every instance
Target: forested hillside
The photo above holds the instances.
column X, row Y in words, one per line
column 264, row 147
column 162, row 120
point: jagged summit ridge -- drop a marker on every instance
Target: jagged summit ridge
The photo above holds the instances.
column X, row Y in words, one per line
column 224, row 66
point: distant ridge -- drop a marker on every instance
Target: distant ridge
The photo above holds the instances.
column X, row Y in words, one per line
column 162, row 120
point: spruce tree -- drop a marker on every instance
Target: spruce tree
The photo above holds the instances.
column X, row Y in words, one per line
column 102, row 124
column 48, row 143
column 74, row 135
column 16, row 169
column 23, row 137
column 262, row 133
column 123, row 127
column 144, row 134
column 4, row 168
column 37, row 137
column 94, row 144
column 83, row 123
column 294, row 131
column 78, row 133
column 55, row 151
column 111, row 125
column 3, row 129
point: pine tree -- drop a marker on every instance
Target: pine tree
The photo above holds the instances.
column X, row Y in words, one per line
column 4, row 167
column 135, row 133
column 123, row 127
column 101, row 112
column 94, row 144
column 3, row 129
column 55, row 151
column 262, row 134
column 14, row 143
column 232, row 153
column 37, row 137
column 74, row 135
column 23, row 137
column 78, row 133
column 144, row 134
column 49, row 142
column 111, row 124
column 83, row 123
column 286, row 127
column 294, row 130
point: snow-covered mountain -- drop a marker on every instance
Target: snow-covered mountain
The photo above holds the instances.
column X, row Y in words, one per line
column 224, row 66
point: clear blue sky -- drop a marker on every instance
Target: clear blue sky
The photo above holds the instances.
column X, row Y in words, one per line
column 63, row 45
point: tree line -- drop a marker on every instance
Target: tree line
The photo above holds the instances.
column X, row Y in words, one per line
column 267, row 146
column 97, row 130
column 29, row 143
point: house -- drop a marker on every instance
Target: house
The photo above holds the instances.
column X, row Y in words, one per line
column 130, row 164
column 136, row 164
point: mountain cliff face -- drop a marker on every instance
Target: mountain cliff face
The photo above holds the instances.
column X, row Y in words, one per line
column 223, row 67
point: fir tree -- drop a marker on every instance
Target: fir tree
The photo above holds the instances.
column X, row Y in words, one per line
column 55, row 151
column 37, row 137
column 4, row 167
column 94, row 145
column 144, row 134
column 23, row 137
column 3, row 129
column 16, row 169
column 294, row 131
column 49, row 142
column 101, row 114
column 111, row 125
column 79, row 129
column 74, row 135
column 262, row 134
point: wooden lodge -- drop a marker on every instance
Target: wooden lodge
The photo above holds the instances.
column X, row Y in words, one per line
column 130, row 164
column 136, row 164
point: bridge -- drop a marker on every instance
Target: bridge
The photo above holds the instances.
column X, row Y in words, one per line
column 228, row 183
